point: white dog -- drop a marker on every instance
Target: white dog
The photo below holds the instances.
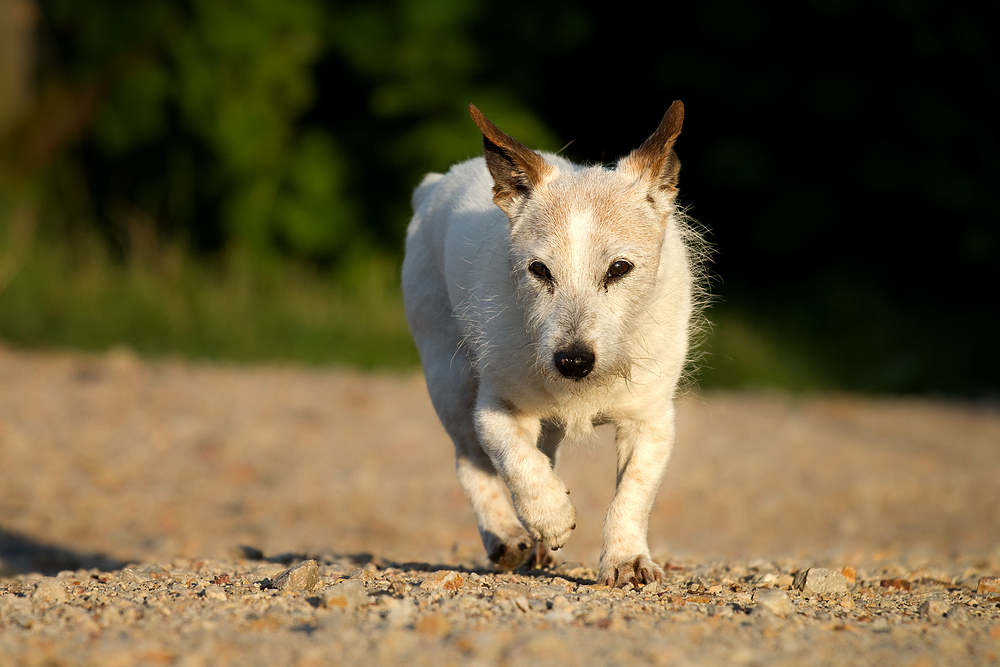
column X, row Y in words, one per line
column 544, row 298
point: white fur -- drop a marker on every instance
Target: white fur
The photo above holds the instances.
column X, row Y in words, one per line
column 488, row 330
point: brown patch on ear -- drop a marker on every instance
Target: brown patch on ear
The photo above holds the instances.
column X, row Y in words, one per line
column 516, row 169
column 655, row 161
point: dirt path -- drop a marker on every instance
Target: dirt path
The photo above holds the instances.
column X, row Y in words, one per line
column 167, row 468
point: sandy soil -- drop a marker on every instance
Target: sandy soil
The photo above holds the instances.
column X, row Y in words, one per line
column 109, row 461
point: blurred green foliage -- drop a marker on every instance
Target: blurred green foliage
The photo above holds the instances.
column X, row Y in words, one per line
column 189, row 115
column 844, row 155
column 234, row 310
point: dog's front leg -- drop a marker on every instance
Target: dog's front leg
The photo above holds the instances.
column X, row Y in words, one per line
column 643, row 452
column 541, row 499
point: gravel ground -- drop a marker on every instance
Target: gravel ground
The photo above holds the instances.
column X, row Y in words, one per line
column 170, row 513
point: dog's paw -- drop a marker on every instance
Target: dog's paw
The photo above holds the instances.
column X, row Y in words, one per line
column 636, row 570
column 549, row 515
column 512, row 551
column 541, row 558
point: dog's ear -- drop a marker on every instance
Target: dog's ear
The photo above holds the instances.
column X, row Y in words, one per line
column 516, row 169
column 655, row 161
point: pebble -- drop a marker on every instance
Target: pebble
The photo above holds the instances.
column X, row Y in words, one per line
column 129, row 576
column 215, row 592
column 898, row 584
column 774, row 580
column 448, row 580
column 301, row 577
column 365, row 574
column 775, row 601
column 988, row 585
column 818, row 581
column 934, row 608
column 348, row 595
column 196, row 615
column 511, row 591
column 50, row 589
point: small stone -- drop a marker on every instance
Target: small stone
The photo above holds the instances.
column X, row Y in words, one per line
column 522, row 603
column 398, row 585
column 130, row 576
column 510, row 591
column 545, row 591
column 50, row 589
column 775, row 601
column 850, row 574
column 766, row 579
column 898, row 584
column 366, row 575
column 700, row 599
column 847, row 602
column 301, row 577
column 934, row 608
column 988, row 585
column 214, row 592
column 348, row 595
column 652, row 588
column 818, row 581
column 448, row 580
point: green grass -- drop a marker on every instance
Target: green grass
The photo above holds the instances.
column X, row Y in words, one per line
column 169, row 303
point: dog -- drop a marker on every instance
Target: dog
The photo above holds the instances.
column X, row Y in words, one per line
column 546, row 298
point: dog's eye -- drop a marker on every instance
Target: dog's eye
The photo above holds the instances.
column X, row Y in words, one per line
column 540, row 271
column 618, row 269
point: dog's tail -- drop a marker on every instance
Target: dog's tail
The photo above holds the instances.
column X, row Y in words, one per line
column 425, row 188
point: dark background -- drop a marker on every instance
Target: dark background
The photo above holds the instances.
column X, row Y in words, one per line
column 844, row 155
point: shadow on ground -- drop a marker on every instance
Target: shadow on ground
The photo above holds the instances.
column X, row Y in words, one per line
column 365, row 559
column 20, row 554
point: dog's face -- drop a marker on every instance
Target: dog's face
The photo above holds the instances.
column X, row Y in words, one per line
column 585, row 249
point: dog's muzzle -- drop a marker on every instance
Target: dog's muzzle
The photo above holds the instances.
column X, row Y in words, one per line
column 575, row 361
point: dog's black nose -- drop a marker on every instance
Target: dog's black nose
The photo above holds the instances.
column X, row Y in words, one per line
column 575, row 361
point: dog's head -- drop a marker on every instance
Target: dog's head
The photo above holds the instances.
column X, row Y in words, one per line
column 586, row 246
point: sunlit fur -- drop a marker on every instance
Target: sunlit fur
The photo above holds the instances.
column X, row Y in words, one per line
column 489, row 326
